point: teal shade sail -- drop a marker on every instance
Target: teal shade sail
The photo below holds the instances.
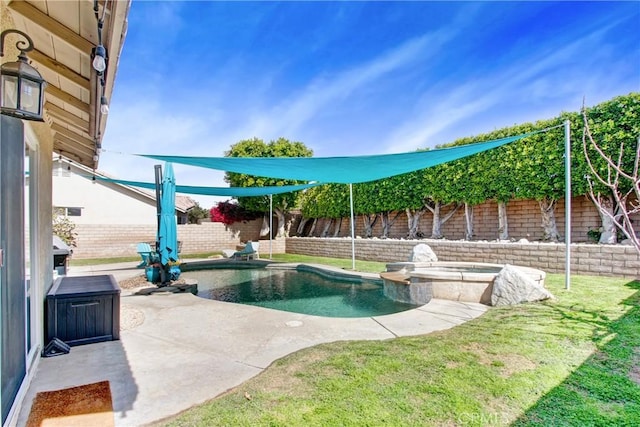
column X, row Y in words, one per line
column 341, row 170
column 217, row 191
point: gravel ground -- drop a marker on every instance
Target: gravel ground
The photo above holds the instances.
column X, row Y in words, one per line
column 141, row 281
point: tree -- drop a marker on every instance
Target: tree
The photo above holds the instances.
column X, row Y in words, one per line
column 533, row 168
column 614, row 187
column 387, row 202
column 282, row 203
column 440, row 196
column 411, row 190
column 540, row 169
column 610, row 132
column 64, row 228
column 464, row 181
column 196, row 214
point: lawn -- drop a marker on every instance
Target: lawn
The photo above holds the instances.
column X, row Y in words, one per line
column 571, row 361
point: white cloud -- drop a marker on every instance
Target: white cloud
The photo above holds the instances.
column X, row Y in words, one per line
column 290, row 116
column 538, row 87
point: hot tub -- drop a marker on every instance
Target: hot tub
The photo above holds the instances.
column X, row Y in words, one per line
column 418, row 282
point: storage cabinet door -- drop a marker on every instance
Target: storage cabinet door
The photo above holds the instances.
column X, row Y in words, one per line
column 84, row 320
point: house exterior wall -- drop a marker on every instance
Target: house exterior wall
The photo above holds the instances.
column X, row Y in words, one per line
column 101, row 202
column 38, row 228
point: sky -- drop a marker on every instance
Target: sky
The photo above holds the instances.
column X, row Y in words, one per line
column 354, row 78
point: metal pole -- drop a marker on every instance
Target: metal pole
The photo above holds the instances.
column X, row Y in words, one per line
column 270, row 225
column 353, row 232
column 158, row 176
column 567, row 203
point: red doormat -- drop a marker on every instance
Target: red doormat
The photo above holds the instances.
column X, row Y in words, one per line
column 81, row 406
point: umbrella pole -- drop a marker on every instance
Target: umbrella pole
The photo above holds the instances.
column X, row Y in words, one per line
column 158, row 175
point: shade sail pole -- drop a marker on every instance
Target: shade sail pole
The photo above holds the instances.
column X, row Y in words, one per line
column 353, row 230
column 567, row 203
column 270, row 226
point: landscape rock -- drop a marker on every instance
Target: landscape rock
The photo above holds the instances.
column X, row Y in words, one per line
column 512, row 286
column 422, row 253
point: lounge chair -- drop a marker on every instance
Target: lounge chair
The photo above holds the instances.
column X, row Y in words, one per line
column 145, row 252
column 250, row 251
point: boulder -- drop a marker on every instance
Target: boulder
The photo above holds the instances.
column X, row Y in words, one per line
column 422, row 253
column 512, row 286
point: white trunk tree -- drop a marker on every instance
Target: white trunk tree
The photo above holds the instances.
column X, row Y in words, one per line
column 413, row 219
column 503, row 224
column 468, row 221
column 327, row 226
column 369, row 222
column 387, row 222
column 282, row 221
column 313, row 227
column 438, row 219
column 606, row 210
column 303, row 223
column 549, row 225
column 338, row 227
column 622, row 186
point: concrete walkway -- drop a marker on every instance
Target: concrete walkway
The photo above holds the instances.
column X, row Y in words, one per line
column 178, row 350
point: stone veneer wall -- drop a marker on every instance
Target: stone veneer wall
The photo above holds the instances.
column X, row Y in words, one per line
column 100, row 241
column 588, row 259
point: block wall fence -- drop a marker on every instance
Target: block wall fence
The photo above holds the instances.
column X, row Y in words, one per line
column 98, row 241
column 588, row 259
column 102, row 241
column 523, row 217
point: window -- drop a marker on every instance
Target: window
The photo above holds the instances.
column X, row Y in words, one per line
column 68, row 211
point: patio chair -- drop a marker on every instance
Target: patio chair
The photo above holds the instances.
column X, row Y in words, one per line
column 144, row 250
column 250, row 251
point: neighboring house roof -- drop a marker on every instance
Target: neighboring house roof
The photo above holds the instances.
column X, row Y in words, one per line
column 184, row 203
column 65, row 34
column 64, row 166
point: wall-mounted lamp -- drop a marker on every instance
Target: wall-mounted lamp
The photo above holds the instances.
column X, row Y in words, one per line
column 21, row 85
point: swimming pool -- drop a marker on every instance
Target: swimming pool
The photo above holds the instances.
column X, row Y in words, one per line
column 296, row 291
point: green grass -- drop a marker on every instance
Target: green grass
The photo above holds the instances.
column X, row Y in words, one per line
column 571, row 361
column 99, row 261
column 364, row 266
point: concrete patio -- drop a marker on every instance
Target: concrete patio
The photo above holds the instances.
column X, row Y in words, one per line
column 178, row 350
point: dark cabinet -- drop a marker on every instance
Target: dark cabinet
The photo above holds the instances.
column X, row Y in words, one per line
column 83, row 310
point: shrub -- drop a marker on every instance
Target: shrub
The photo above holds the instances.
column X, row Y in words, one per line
column 229, row 212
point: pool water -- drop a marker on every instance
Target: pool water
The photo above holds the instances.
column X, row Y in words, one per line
column 296, row 291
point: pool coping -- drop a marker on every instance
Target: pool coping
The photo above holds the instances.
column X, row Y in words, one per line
column 324, row 270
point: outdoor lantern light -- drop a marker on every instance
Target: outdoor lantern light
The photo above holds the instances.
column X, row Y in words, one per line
column 99, row 58
column 21, row 85
column 104, row 106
